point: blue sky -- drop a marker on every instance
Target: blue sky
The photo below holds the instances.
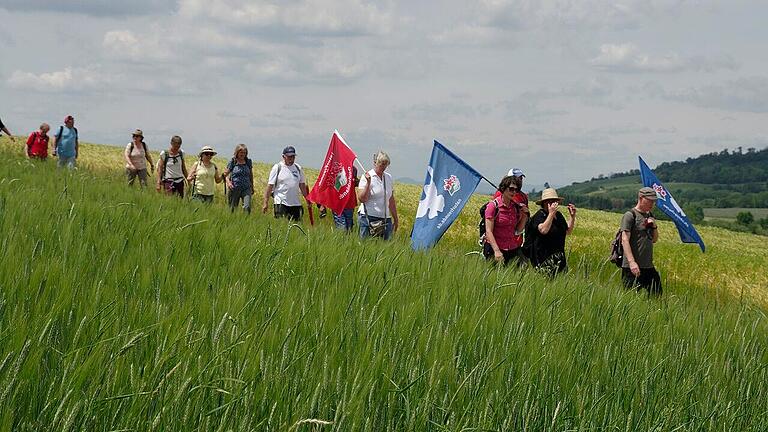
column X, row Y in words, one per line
column 564, row 90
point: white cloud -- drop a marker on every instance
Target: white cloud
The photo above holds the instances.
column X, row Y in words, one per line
column 628, row 59
column 306, row 17
column 67, row 80
column 126, row 45
column 749, row 94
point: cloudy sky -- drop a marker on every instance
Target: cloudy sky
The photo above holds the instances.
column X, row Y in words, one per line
column 563, row 89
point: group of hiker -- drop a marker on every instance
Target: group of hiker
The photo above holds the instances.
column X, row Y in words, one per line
column 509, row 233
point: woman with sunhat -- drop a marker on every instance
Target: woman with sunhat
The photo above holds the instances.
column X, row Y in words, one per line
column 136, row 157
column 204, row 176
column 545, row 234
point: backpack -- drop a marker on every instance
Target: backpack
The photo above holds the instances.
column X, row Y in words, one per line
column 143, row 144
column 617, row 248
column 277, row 176
column 58, row 136
column 167, row 156
column 481, row 225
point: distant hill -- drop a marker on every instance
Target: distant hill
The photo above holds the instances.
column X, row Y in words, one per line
column 725, row 179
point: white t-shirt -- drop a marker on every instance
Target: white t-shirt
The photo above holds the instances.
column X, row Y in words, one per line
column 376, row 201
column 286, row 187
column 173, row 167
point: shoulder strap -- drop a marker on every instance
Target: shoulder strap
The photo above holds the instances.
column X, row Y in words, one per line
column 384, row 181
column 130, row 148
column 58, row 136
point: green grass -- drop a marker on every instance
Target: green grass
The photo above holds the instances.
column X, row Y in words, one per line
column 124, row 310
column 731, row 213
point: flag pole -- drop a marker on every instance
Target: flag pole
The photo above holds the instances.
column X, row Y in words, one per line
column 490, row 182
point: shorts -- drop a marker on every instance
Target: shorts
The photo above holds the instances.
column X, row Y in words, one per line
column 172, row 187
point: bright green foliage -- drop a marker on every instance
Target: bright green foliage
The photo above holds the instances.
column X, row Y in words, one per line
column 124, row 310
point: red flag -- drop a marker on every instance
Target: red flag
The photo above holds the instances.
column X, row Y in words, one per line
column 335, row 186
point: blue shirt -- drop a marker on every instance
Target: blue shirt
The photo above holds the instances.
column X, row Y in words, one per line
column 66, row 146
column 240, row 174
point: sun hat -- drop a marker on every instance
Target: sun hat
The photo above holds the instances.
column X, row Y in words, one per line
column 648, row 193
column 517, row 172
column 138, row 132
column 549, row 194
column 207, row 149
column 289, row 151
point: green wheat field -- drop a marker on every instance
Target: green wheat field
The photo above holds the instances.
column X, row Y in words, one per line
column 123, row 310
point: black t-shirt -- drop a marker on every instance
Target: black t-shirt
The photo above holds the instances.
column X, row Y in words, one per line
column 552, row 244
column 2, row 126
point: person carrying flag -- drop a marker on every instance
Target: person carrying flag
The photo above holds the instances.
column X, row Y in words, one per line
column 639, row 233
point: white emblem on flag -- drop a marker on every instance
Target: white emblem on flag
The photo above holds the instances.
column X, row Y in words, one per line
column 432, row 202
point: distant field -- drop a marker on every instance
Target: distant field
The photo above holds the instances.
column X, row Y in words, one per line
column 124, row 310
column 730, row 213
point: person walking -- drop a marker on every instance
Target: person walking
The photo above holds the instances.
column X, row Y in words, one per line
column 3, row 128
column 37, row 143
column 137, row 158
column 204, row 175
column 545, row 234
column 505, row 220
column 66, row 144
column 286, row 185
column 639, row 233
column 239, row 179
column 345, row 220
column 377, row 214
column 171, row 169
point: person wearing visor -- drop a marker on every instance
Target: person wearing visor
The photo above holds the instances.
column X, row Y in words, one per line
column 286, row 185
column 639, row 233
column 204, row 175
column 505, row 220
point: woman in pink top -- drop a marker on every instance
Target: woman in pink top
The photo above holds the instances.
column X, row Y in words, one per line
column 504, row 220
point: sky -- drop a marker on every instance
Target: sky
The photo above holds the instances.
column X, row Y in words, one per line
column 564, row 90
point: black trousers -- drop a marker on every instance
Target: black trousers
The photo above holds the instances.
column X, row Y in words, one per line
column 649, row 279
column 509, row 255
column 291, row 212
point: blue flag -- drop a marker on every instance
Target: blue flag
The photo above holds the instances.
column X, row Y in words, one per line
column 668, row 205
column 447, row 188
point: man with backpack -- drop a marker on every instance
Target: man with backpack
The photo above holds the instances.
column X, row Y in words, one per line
column 37, row 143
column 638, row 234
column 286, row 184
column 66, row 144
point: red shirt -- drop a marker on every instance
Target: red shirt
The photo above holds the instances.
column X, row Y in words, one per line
column 37, row 145
column 504, row 224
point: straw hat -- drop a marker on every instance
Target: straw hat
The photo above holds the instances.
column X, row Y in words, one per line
column 207, row 149
column 549, row 194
